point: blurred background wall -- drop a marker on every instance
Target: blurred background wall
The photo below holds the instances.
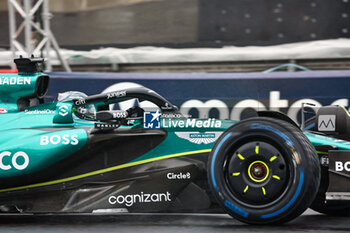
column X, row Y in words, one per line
column 191, row 23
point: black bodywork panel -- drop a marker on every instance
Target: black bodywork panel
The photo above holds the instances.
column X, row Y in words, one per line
column 339, row 171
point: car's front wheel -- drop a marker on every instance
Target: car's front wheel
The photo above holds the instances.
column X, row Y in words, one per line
column 264, row 171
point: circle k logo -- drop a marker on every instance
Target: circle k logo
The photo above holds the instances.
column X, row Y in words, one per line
column 14, row 160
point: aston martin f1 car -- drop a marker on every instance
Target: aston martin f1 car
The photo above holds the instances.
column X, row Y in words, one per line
column 77, row 155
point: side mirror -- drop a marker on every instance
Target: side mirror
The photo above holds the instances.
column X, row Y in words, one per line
column 63, row 113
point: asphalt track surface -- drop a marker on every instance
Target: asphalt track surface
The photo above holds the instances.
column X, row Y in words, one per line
column 310, row 221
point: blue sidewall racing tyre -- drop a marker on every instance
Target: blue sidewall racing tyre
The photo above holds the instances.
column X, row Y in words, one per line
column 242, row 170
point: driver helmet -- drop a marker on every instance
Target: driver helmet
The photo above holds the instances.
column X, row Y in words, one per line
column 87, row 110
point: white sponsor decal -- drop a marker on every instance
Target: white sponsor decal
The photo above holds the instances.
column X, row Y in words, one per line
column 14, row 162
column 45, row 111
column 65, row 139
column 120, row 114
column 63, row 110
column 174, row 115
column 131, row 199
column 199, row 137
column 15, row 80
column 146, row 105
column 326, row 122
column 340, row 166
column 178, row 176
column 106, row 125
column 80, row 102
column 3, row 110
column 116, row 94
column 191, row 123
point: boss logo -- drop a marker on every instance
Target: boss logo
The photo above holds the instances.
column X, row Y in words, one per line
column 340, row 166
column 65, row 139
column 119, row 114
column 15, row 160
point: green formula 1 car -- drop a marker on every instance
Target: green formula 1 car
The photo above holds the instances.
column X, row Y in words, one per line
column 78, row 156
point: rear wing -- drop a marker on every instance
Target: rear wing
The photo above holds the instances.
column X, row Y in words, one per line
column 16, row 89
column 28, row 65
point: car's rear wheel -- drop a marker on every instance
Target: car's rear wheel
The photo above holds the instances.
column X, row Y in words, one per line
column 264, row 170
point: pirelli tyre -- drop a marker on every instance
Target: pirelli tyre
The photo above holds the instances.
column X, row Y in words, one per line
column 264, row 171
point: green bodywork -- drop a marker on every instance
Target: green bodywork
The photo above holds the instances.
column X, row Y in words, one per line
column 16, row 86
column 319, row 140
column 28, row 131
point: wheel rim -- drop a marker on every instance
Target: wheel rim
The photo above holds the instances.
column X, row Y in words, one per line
column 256, row 173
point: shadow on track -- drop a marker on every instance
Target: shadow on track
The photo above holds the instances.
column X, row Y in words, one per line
column 163, row 223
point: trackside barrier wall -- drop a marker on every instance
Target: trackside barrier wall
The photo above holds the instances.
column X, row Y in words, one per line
column 221, row 95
